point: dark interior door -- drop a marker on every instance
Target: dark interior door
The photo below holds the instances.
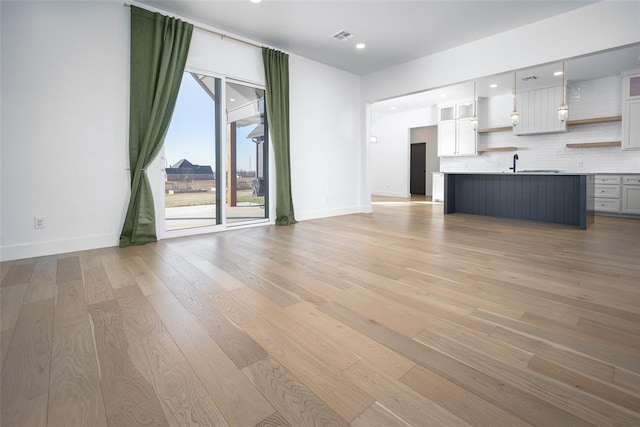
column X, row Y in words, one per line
column 418, row 168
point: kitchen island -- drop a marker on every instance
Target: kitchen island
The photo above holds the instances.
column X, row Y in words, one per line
column 561, row 198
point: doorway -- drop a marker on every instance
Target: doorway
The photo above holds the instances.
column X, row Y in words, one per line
column 424, row 160
column 418, row 169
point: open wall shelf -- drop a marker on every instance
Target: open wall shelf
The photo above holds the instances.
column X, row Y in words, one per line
column 502, row 129
column 569, row 123
column 595, row 144
column 594, row 120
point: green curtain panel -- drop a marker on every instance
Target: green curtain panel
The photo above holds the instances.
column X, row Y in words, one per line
column 159, row 47
column 276, row 70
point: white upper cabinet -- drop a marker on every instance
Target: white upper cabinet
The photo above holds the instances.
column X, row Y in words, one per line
column 631, row 110
column 539, row 111
column 456, row 136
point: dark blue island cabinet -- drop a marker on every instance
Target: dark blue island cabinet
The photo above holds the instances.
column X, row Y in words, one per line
column 560, row 198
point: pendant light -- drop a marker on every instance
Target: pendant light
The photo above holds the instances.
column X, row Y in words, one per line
column 474, row 119
column 563, row 110
column 515, row 116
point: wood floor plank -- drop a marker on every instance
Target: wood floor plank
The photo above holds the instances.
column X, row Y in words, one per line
column 569, row 296
column 96, row 282
column 478, row 341
column 457, row 399
column 609, row 333
column 42, row 285
column 627, row 379
column 181, row 395
column 557, row 354
column 137, row 313
column 381, row 357
column 75, row 397
column 411, row 406
column 11, row 299
column 25, row 374
column 587, row 407
column 5, row 340
column 334, row 355
column 237, row 344
column 28, row 414
column 377, row 415
column 508, row 397
column 292, row 399
column 129, row 398
column 585, row 383
column 148, row 282
column 332, row 387
column 238, row 400
column 265, row 287
column 118, row 274
column 68, row 269
column 186, row 268
column 18, row 274
column 275, row 420
column 70, row 304
column 5, row 266
column 578, row 342
column 190, row 249
column 288, row 279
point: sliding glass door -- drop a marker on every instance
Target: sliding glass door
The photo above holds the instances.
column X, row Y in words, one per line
column 209, row 180
column 247, row 139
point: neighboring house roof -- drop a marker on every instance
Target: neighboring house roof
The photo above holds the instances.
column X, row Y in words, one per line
column 183, row 163
column 185, row 167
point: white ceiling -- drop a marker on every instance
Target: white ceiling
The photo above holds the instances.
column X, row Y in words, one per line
column 393, row 31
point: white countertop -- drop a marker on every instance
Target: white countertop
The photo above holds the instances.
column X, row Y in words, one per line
column 521, row 173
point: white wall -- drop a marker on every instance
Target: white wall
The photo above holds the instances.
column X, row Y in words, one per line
column 65, row 78
column 389, row 158
column 64, row 125
column 325, row 140
column 599, row 26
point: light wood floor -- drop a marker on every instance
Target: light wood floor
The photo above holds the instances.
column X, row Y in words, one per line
column 402, row 317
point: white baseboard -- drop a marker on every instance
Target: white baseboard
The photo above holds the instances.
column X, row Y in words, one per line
column 390, row 194
column 54, row 247
column 324, row 213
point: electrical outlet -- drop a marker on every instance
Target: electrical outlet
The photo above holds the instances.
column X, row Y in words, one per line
column 38, row 222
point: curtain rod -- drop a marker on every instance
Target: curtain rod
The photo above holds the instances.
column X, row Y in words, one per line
column 221, row 35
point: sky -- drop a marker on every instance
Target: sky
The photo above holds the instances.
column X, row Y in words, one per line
column 192, row 130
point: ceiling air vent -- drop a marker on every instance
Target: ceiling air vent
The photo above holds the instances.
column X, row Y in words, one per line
column 530, row 78
column 342, row 35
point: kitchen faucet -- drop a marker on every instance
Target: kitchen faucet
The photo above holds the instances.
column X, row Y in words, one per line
column 515, row 159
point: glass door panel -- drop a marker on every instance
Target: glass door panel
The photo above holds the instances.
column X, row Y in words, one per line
column 247, row 176
column 191, row 155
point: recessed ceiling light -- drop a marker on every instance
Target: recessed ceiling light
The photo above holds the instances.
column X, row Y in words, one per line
column 256, row 1
column 232, row 99
column 361, row 46
column 557, row 73
column 493, row 85
column 443, row 95
column 393, row 108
